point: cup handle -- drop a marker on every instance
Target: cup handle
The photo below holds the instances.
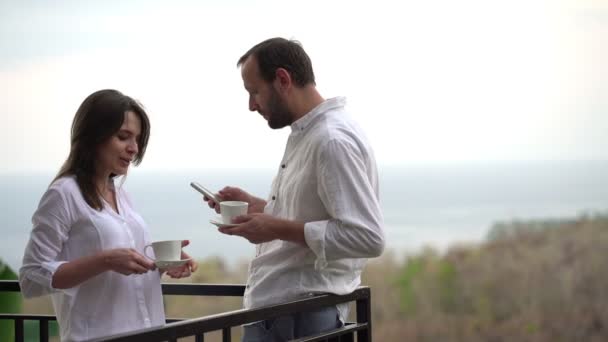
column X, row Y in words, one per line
column 146, row 254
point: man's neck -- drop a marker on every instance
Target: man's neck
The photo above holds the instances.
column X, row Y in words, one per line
column 305, row 100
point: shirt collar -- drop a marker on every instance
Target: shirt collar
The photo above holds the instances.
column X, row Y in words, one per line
column 302, row 123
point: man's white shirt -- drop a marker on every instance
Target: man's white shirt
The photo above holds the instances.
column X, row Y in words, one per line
column 329, row 180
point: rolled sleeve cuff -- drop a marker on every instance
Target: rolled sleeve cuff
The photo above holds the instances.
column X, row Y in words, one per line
column 314, row 233
column 52, row 267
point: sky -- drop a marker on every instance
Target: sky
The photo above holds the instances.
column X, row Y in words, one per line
column 430, row 81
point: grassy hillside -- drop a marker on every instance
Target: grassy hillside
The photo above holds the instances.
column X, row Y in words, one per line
column 532, row 281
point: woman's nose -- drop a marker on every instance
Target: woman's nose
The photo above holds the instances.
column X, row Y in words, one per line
column 133, row 147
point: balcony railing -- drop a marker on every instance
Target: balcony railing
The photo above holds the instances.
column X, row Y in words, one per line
column 175, row 328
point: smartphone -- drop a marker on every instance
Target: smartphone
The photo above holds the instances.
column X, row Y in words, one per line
column 205, row 192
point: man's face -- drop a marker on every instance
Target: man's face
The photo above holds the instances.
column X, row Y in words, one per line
column 263, row 97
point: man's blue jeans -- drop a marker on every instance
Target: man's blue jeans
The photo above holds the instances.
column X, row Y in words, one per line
column 298, row 325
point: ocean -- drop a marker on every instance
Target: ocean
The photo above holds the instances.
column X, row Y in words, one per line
column 434, row 205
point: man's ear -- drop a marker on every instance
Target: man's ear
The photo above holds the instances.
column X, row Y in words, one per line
column 282, row 79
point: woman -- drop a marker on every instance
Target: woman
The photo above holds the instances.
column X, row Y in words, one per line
column 86, row 245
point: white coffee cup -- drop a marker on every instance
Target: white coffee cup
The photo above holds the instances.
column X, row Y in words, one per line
column 168, row 250
column 232, row 209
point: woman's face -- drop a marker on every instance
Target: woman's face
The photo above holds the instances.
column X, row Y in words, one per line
column 115, row 155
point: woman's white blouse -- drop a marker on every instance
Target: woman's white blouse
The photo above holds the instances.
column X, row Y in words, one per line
column 65, row 228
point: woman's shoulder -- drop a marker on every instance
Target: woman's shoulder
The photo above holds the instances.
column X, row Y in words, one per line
column 66, row 187
column 65, row 184
column 60, row 197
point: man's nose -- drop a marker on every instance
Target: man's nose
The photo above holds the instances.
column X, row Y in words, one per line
column 253, row 106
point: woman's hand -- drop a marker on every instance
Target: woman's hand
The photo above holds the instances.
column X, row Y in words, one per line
column 185, row 270
column 127, row 261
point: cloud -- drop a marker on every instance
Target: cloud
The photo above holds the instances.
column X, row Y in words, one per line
column 477, row 80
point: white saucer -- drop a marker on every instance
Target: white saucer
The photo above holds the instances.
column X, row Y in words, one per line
column 170, row 263
column 218, row 222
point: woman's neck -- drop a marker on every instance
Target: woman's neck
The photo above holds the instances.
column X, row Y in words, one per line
column 103, row 183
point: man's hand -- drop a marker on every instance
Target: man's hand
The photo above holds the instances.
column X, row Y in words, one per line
column 229, row 193
column 260, row 228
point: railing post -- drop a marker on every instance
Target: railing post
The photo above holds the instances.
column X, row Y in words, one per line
column 364, row 315
column 44, row 330
column 350, row 337
column 226, row 335
column 18, row 330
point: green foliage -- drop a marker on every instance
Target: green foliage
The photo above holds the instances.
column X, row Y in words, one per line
column 32, row 330
column 413, row 267
column 431, row 275
column 10, row 302
column 447, row 286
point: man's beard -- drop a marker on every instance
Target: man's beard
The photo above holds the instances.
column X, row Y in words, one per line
column 278, row 114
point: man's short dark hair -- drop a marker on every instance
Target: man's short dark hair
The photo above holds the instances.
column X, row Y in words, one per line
column 275, row 53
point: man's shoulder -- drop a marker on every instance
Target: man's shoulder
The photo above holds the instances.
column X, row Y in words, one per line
column 338, row 124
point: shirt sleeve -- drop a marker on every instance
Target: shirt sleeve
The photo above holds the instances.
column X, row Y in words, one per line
column 349, row 191
column 51, row 224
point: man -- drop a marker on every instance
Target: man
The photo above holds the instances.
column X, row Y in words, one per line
column 322, row 219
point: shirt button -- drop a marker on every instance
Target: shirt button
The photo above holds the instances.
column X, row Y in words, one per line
column 283, row 166
column 274, row 197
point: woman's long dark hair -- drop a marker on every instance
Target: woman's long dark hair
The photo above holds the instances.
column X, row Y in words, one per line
column 98, row 118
